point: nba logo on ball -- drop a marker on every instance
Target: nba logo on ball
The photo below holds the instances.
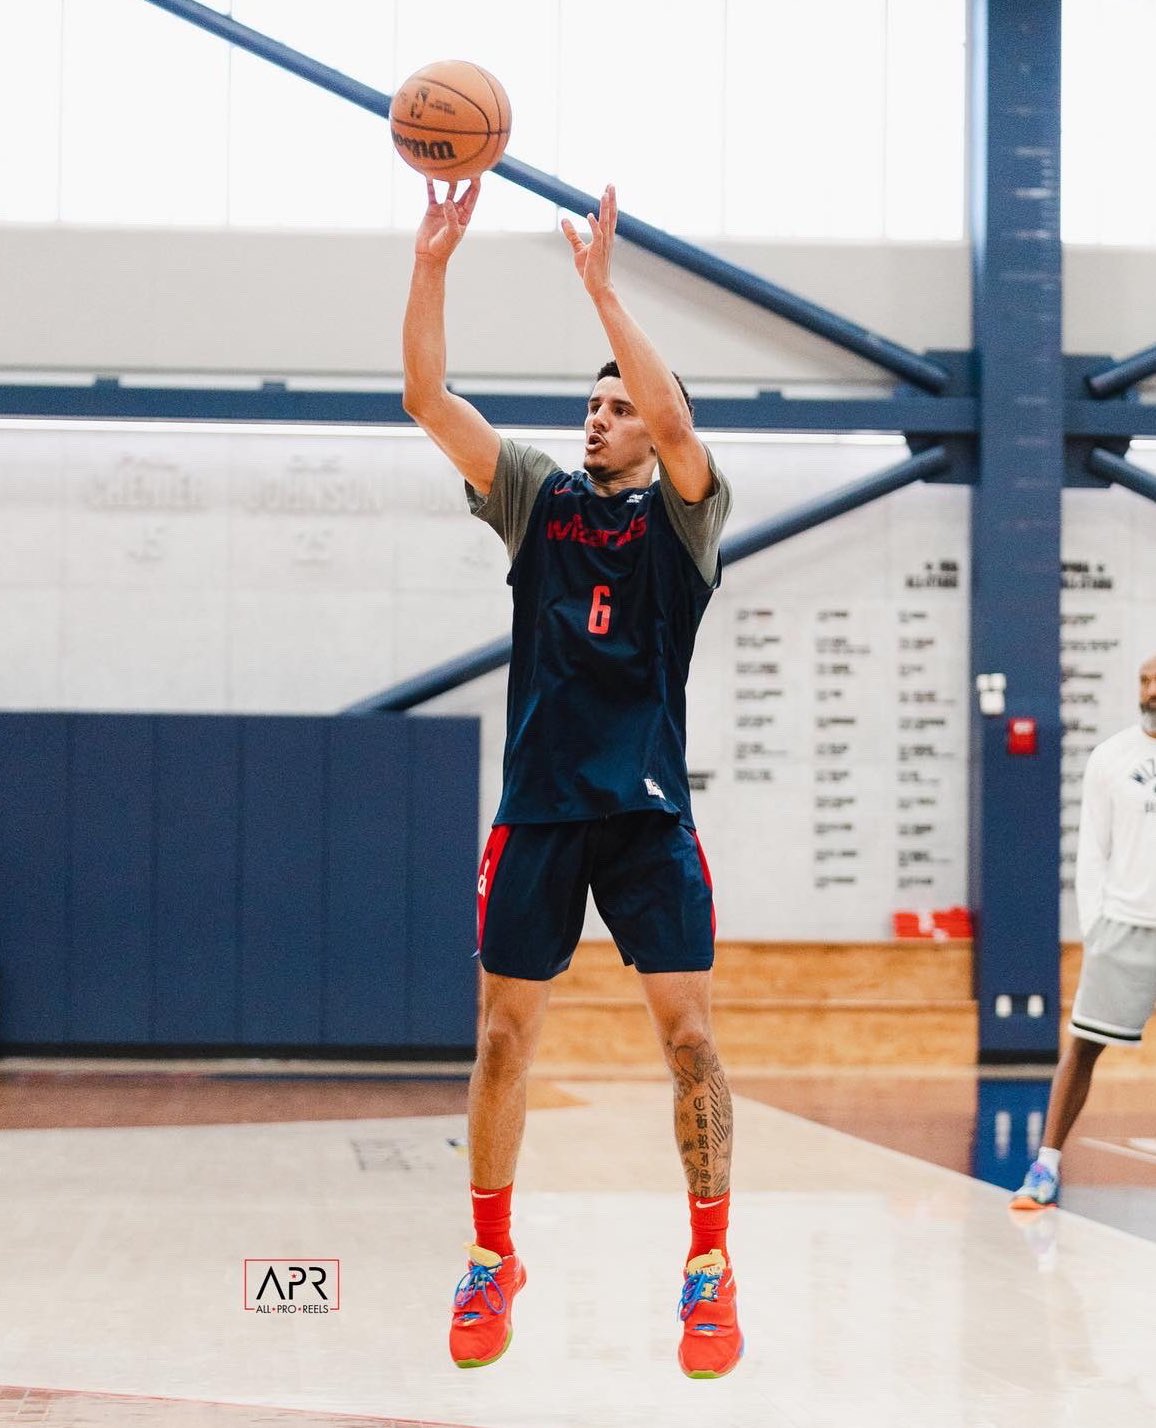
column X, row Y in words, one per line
column 450, row 120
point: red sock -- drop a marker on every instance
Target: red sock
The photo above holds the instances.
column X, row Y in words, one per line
column 709, row 1217
column 492, row 1218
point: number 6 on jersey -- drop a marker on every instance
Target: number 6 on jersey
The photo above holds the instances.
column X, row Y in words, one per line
column 599, row 621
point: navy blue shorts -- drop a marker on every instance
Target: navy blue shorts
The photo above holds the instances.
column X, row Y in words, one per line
column 650, row 882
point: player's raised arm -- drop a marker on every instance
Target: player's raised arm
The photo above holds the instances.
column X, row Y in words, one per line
column 458, row 428
column 645, row 375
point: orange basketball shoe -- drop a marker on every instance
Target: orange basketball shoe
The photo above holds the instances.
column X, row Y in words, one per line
column 483, row 1322
column 712, row 1342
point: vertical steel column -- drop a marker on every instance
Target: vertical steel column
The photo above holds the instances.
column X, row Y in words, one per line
column 1015, row 523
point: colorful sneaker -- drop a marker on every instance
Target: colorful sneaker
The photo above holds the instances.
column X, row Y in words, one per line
column 1040, row 1189
column 712, row 1342
column 483, row 1322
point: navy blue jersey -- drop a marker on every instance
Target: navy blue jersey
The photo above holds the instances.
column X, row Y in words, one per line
column 607, row 602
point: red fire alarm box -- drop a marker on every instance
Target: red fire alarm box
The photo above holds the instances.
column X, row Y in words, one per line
column 1021, row 736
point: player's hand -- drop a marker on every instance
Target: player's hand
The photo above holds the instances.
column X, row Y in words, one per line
column 592, row 259
column 445, row 222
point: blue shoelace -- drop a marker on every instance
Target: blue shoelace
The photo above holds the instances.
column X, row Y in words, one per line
column 701, row 1284
column 479, row 1280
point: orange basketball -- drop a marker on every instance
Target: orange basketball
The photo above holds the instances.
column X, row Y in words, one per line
column 450, row 120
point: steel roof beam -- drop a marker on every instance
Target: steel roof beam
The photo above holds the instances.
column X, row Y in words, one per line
column 891, row 356
column 282, row 402
column 1122, row 472
column 1126, row 373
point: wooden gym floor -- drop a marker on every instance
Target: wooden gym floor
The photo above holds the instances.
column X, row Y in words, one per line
column 881, row 1283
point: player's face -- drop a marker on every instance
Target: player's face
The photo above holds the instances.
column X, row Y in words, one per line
column 616, row 439
column 1148, row 692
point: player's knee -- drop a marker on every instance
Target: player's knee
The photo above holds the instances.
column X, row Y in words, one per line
column 505, row 1046
column 689, row 1046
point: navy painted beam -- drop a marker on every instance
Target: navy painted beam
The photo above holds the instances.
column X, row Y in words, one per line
column 754, row 288
column 1014, row 804
column 1110, row 419
column 925, row 466
column 1124, row 374
column 891, row 356
column 462, row 669
column 1124, row 473
column 108, row 399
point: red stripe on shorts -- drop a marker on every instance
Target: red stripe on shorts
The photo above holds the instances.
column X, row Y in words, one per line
column 495, row 847
column 709, row 882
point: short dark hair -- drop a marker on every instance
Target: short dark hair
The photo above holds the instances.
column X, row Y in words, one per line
column 610, row 369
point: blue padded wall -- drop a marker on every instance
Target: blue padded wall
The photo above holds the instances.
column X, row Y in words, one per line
column 249, row 883
column 35, row 902
column 196, row 842
column 369, row 836
column 282, row 882
column 111, row 922
column 434, row 913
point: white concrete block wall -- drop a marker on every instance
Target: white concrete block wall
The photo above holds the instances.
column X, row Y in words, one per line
column 199, row 570
column 217, row 570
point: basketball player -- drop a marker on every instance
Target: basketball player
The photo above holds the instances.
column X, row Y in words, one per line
column 1116, row 896
column 611, row 571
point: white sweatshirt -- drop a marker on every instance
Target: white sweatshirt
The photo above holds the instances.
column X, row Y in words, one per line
column 1116, row 855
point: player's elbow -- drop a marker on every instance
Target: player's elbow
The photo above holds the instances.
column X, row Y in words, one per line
column 673, row 430
column 421, row 402
column 412, row 401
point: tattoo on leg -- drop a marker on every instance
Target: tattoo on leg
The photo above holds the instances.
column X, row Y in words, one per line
column 721, row 1115
column 703, row 1117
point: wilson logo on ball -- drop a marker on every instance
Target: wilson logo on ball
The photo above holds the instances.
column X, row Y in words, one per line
column 436, row 149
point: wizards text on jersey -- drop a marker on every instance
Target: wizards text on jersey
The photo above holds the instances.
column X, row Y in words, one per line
column 576, row 529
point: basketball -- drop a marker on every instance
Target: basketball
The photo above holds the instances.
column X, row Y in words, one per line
column 450, row 120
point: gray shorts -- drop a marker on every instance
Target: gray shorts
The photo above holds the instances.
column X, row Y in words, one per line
column 1117, row 990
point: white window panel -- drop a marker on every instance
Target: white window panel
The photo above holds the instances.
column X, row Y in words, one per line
column 298, row 155
column 804, row 104
column 30, row 110
column 767, row 118
column 143, row 117
column 925, row 180
column 1085, row 57
column 356, row 37
column 517, row 41
column 640, row 98
column 1109, row 114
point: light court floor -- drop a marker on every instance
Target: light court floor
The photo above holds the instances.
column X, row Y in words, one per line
column 875, row 1288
